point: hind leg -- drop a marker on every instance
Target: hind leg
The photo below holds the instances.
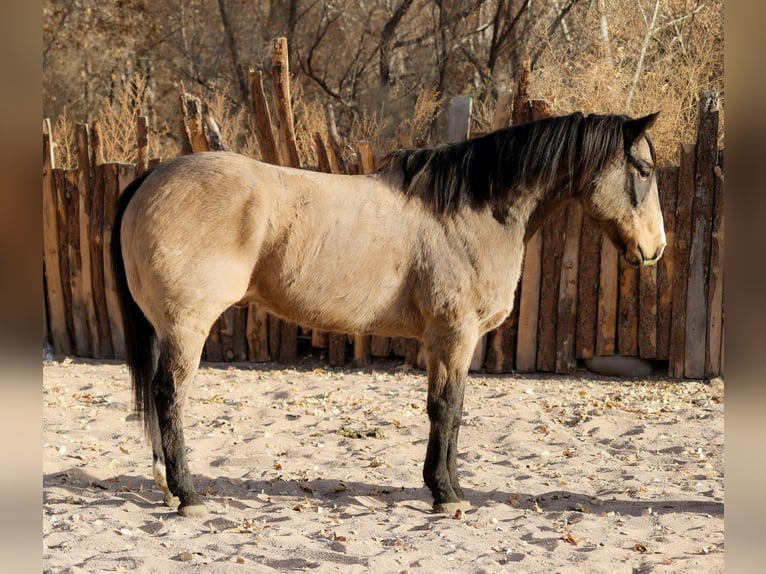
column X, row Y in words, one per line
column 178, row 361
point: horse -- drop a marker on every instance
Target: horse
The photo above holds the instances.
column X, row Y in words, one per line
column 428, row 246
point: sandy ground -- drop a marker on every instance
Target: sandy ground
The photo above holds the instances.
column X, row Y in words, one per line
column 319, row 470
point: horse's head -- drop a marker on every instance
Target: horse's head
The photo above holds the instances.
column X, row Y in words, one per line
column 624, row 197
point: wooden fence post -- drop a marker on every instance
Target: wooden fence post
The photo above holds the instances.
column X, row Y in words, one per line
column 699, row 257
column 459, row 118
column 606, row 332
column 627, row 309
column 587, row 289
column 60, row 338
column 142, row 144
column 62, row 225
column 264, row 131
column 80, row 325
column 85, row 187
column 714, row 366
column 681, row 264
column 566, row 332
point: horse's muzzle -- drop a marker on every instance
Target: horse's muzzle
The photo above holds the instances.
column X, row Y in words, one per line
column 652, row 260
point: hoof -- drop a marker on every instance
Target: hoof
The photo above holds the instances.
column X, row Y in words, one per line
column 171, row 501
column 451, row 508
column 193, row 511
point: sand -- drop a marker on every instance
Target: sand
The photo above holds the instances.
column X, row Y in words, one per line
column 312, row 469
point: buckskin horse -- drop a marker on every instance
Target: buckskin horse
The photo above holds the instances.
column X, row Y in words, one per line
column 428, row 246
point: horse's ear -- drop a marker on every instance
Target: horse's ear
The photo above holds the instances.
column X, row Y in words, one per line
column 635, row 128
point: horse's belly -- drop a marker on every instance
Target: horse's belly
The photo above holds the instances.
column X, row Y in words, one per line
column 333, row 302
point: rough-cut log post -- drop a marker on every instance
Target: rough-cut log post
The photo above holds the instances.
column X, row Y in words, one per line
column 85, row 187
column 97, row 144
column 529, row 305
column 699, row 257
column 142, row 144
column 192, row 125
column 62, row 213
column 681, row 264
column 60, row 339
column 647, row 312
column 459, row 118
column 96, row 243
column 587, row 289
column 502, row 118
column 668, row 185
column 280, row 73
column 553, row 249
column 264, row 131
column 566, row 332
column 335, row 151
column 79, row 299
column 606, row 332
column 257, row 334
column 714, row 365
column 627, row 309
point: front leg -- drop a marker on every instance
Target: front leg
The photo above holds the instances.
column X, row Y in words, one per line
column 447, row 371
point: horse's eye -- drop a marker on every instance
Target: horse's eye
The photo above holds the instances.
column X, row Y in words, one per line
column 644, row 173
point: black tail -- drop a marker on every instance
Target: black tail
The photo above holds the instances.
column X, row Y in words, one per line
column 139, row 333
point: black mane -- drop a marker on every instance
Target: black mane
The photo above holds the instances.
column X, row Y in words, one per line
column 552, row 152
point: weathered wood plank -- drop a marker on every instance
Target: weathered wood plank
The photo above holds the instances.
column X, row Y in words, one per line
column 142, row 144
column 566, row 328
column 81, row 330
column 681, row 264
column 668, row 185
column 699, row 257
column 606, row 322
column 257, row 332
column 280, row 74
column 459, row 118
column 264, row 131
column 85, row 187
column 529, row 305
column 647, row 312
column 501, row 343
column 502, row 118
column 587, row 289
column 553, row 249
column 627, row 309
column 714, row 366
column 96, row 243
column 60, row 338
column 62, row 213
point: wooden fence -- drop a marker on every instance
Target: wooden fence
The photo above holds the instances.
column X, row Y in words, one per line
column 577, row 298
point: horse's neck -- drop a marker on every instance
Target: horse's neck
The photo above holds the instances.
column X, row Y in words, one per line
column 530, row 208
